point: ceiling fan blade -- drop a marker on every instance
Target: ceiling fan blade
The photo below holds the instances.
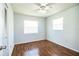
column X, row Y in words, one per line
column 38, row 4
column 46, row 4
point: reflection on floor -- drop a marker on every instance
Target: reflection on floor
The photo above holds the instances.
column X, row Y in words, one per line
column 42, row 48
column 32, row 52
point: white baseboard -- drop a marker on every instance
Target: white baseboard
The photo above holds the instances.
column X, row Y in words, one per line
column 29, row 41
column 64, row 46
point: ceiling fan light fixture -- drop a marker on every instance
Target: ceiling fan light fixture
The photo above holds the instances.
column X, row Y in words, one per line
column 44, row 8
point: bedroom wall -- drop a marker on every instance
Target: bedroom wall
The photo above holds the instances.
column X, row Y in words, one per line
column 19, row 35
column 69, row 36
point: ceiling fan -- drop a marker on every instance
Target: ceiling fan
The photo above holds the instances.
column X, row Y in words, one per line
column 44, row 7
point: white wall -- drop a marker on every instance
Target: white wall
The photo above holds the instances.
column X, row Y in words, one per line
column 19, row 35
column 69, row 37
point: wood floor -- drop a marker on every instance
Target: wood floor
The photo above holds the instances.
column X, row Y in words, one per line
column 42, row 48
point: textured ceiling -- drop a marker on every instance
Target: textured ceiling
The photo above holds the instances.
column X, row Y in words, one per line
column 30, row 8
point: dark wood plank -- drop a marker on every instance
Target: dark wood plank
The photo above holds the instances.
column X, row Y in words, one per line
column 42, row 48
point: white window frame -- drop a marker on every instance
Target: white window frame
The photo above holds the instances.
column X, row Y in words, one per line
column 57, row 24
column 30, row 26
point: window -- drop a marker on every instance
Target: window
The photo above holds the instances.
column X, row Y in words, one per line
column 30, row 26
column 57, row 24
